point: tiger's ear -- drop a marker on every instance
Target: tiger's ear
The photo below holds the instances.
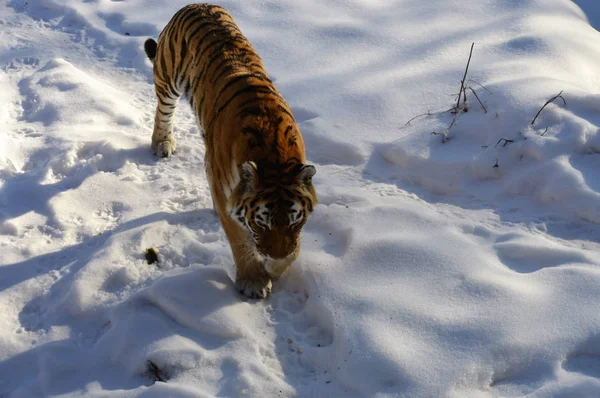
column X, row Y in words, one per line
column 248, row 176
column 306, row 174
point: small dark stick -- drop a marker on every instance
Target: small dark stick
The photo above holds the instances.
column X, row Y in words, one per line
column 462, row 82
column 480, row 85
column 428, row 113
column 155, row 372
column 559, row 95
column 505, row 142
column 444, row 136
column 452, row 123
column 476, row 96
column 418, row 116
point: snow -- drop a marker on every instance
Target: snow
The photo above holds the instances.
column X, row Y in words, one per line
column 425, row 271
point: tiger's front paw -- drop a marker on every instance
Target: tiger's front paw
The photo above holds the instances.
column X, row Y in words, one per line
column 258, row 288
column 164, row 149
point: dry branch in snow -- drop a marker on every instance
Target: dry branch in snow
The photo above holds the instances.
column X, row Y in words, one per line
column 559, row 95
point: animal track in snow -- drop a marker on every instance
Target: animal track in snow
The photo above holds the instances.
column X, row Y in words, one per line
column 516, row 377
column 28, row 132
column 587, row 165
column 303, row 115
column 300, row 327
column 34, row 315
column 30, row 315
column 586, row 364
column 322, row 233
column 20, row 63
column 585, row 358
column 30, row 102
column 322, row 149
column 526, row 254
column 111, row 215
column 117, row 23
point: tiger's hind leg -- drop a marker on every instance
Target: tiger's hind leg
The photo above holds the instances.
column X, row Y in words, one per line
column 163, row 141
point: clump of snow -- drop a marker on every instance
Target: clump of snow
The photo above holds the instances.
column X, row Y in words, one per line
column 457, row 267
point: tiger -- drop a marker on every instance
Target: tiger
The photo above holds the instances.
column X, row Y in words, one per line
column 255, row 157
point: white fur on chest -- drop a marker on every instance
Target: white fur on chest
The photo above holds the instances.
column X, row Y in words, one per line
column 232, row 179
column 276, row 267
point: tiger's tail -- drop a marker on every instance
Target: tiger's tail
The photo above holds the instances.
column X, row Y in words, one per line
column 150, row 46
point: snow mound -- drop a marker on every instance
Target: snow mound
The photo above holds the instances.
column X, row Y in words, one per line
column 49, row 98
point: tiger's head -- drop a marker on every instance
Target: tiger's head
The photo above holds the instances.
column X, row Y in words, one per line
column 273, row 206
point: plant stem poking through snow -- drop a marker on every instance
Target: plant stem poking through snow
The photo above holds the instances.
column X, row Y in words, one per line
column 458, row 108
column 505, row 142
column 480, row 85
column 155, row 372
column 476, row 96
column 559, row 95
column 462, row 93
column 428, row 113
column 443, row 134
column 462, row 82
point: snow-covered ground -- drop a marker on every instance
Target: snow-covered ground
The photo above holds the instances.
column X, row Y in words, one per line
column 425, row 270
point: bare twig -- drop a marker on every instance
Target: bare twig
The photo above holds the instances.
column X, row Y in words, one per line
column 476, row 96
column 505, row 142
column 453, row 122
column 429, row 113
column 496, row 164
column 444, row 136
column 418, row 116
column 559, row 95
column 480, row 85
column 155, row 372
column 457, row 109
column 462, row 82
column 545, row 131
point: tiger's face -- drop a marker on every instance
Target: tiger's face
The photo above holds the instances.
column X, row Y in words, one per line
column 273, row 210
